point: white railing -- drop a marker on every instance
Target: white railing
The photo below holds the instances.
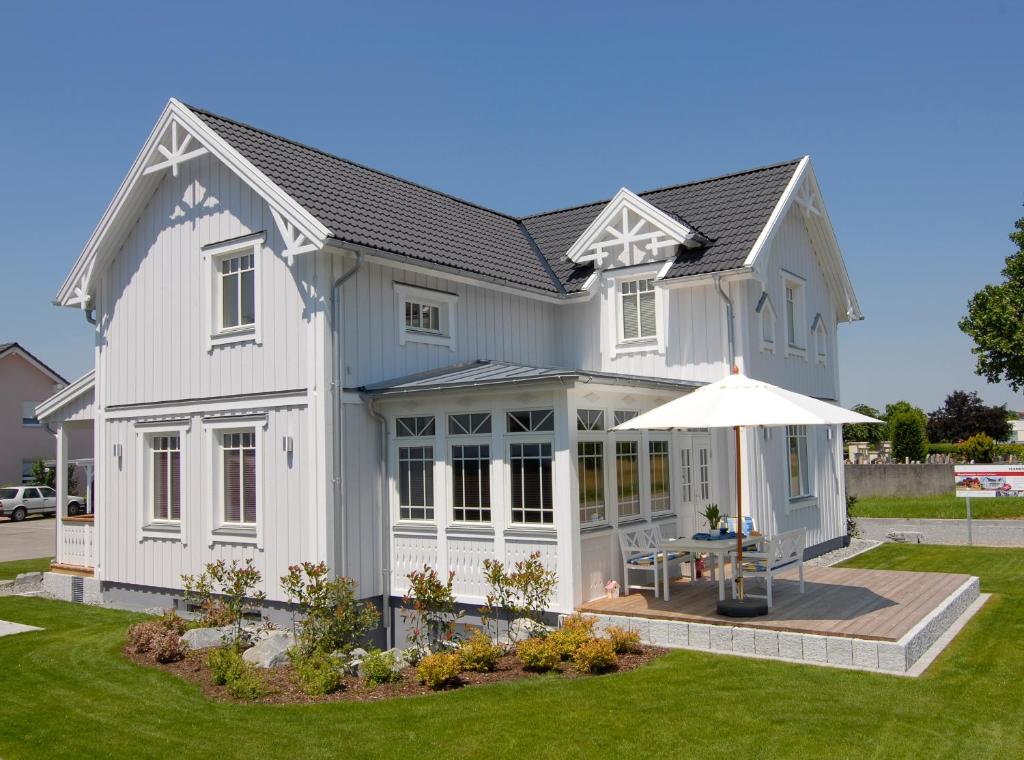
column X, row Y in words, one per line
column 78, row 542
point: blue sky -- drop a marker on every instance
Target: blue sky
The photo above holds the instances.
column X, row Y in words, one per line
column 911, row 112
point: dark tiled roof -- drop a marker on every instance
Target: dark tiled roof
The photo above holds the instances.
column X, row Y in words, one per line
column 371, row 208
column 485, row 372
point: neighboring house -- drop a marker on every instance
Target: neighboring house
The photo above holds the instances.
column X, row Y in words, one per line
column 1017, row 427
column 24, row 382
column 300, row 358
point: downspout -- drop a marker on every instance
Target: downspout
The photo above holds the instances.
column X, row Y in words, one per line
column 336, row 382
column 90, row 316
column 385, row 528
column 728, row 318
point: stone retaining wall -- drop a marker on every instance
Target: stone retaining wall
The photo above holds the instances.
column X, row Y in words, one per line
column 898, row 479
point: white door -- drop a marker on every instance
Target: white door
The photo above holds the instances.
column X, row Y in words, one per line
column 697, row 478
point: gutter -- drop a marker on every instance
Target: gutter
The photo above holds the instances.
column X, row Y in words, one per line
column 336, row 403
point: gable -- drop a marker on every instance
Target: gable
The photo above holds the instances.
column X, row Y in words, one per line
column 15, row 353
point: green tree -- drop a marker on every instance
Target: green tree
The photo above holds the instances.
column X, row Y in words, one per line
column 995, row 321
column 864, row 431
column 901, row 407
column 908, row 437
column 964, row 414
column 47, row 476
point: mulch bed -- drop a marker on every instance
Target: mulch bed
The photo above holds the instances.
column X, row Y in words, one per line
column 282, row 688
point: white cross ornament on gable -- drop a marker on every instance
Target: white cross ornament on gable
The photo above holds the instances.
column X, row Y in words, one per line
column 630, row 230
column 178, row 152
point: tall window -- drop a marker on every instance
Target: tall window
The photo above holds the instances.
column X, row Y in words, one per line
column 795, row 326
column 530, row 465
column 239, row 477
column 638, row 310
column 166, row 476
column 799, row 464
column 424, row 317
column 627, row 471
column 704, row 473
column 237, row 291
column 661, row 495
column 471, row 482
column 686, row 479
column 590, row 471
column 416, row 482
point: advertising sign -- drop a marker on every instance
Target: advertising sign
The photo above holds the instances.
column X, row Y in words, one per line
column 981, row 481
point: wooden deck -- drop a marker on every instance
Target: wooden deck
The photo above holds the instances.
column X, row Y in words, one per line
column 882, row 605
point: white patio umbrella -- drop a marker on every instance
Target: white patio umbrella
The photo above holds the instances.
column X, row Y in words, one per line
column 740, row 401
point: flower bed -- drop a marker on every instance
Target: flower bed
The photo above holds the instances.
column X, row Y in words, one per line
column 281, row 685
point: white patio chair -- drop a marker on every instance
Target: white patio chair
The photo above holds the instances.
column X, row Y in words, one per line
column 784, row 551
column 640, row 553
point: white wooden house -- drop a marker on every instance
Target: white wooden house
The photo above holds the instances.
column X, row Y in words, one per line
column 301, row 358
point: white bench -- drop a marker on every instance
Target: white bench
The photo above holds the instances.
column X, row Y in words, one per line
column 782, row 552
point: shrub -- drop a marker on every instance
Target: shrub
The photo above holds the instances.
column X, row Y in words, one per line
column 225, row 664
column 908, row 437
column 316, row 673
column 246, row 684
column 141, row 635
column 595, row 656
column 576, row 629
column 379, row 667
column 479, row 653
column 852, row 529
column 225, row 592
column 334, row 620
column 523, row 591
column 539, row 655
column 430, row 606
column 623, row 641
column 166, row 646
column 439, row 670
column 978, row 448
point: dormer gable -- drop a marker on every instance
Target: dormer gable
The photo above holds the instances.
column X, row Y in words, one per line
column 630, row 231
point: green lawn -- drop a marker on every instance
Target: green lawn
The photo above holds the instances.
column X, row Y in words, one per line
column 945, row 506
column 76, row 696
column 9, row 570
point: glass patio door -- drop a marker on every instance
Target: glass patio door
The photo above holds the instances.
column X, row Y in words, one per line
column 696, row 478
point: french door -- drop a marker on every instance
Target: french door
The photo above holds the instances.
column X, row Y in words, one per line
column 696, row 478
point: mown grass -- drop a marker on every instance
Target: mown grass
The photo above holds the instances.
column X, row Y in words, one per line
column 9, row 570
column 942, row 507
column 76, row 696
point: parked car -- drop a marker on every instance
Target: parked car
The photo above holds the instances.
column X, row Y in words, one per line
column 18, row 502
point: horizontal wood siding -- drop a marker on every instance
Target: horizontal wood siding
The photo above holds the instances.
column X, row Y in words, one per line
column 154, row 328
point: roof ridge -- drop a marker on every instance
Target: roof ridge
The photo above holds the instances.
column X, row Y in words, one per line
column 349, row 161
column 728, row 175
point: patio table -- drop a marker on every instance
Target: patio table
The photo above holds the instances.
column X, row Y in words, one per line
column 718, row 548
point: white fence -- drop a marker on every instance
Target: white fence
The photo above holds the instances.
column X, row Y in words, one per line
column 78, row 542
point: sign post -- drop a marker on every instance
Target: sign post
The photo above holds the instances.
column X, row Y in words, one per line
column 987, row 481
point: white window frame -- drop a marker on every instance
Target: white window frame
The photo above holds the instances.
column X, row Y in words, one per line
column 213, row 255
column 767, row 322
column 668, row 475
column 807, row 497
column 149, row 526
column 526, row 439
column 619, row 344
column 600, row 510
column 418, row 441
column 445, row 304
column 795, row 323
column 469, row 439
column 820, row 333
column 221, row 531
column 639, row 514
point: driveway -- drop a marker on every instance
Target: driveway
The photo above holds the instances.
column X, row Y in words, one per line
column 985, row 532
column 29, row 539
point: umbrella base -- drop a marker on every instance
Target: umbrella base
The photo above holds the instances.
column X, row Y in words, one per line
column 743, row 608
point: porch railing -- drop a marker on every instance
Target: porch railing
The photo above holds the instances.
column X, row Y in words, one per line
column 78, row 542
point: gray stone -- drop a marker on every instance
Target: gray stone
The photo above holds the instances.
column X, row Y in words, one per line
column 700, row 636
column 271, row 651
column 892, row 657
column 815, row 649
column 839, row 651
column 743, row 640
column 525, row 628
column 206, row 638
column 678, row 634
column 865, row 654
column 26, row 578
column 791, row 646
column 766, row 643
column 905, row 537
column 658, row 633
column 721, row 638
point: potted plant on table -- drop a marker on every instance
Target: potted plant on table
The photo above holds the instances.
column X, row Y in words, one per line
column 713, row 515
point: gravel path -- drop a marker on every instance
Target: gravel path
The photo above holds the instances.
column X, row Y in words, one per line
column 857, row 545
column 986, row 532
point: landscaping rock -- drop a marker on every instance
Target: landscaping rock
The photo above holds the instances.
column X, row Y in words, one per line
column 206, row 638
column 270, row 651
column 23, row 579
column 525, row 628
column 905, row 537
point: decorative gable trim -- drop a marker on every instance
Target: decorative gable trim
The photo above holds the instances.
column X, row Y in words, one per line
column 803, row 192
column 179, row 136
column 628, row 220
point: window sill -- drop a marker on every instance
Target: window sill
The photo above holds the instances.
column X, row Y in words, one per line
column 800, row 353
column 242, row 534
column 430, row 339
column 594, row 528
column 469, row 529
column 239, row 335
column 632, row 520
column 664, row 514
column 801, row 502
column 531, row 531
column 410, row 526
column 168, row 530
column 639, row 347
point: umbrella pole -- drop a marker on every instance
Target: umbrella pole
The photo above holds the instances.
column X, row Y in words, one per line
column 737, row 572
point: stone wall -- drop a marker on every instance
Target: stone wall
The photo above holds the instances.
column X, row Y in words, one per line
column 864, row 480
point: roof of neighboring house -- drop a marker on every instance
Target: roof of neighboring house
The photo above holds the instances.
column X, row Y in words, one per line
column 366, row 207
column 484, row 372
column 14, row 347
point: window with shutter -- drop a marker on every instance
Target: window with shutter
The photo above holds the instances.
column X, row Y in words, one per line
column 166, row 477
column 239, row 476
column 638, row 310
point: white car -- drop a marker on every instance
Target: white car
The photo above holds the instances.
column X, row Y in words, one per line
column 18, row 502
